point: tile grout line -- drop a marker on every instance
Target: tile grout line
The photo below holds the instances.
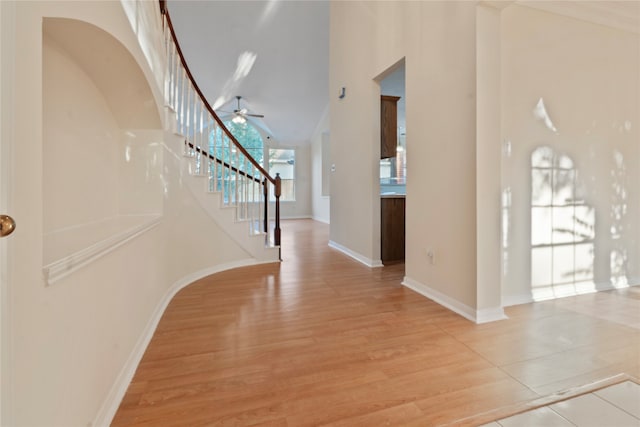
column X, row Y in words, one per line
column 545, row 401
column 612, row 403
column 557, row 413
column 495, row 366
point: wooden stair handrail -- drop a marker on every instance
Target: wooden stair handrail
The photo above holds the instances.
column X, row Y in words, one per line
column 225, row 164
column 267, row 177
column 204, row 100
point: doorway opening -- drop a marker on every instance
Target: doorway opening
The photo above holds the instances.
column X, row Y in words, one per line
column 393, row 164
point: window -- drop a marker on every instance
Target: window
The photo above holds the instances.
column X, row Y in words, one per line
column 283, row 162
column 247, row 136
column 223, row 149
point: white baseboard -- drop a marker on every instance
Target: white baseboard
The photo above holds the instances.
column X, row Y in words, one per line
column 526, row 298
column 322, row 220
column 510, row 300
column 296, row 217
column 476, row 316
column 107, row 411
column 608, row 286
column 355, row 255
column 487, row 315
column 604, row 286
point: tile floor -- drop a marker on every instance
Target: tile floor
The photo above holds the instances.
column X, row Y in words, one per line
column 614, row 406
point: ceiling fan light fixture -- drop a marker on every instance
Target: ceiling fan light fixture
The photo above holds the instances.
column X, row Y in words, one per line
column 238, row 119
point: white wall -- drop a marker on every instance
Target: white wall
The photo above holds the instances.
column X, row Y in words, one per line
column 473, row 76
column 437, row 40
column 320, row 170
column 588, row 77
column 140, row 179
column 71, row 342
column 81, row 138
column 488, row 154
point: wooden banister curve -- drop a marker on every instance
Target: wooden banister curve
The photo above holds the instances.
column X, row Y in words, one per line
column 208, row 106
column 242, row 177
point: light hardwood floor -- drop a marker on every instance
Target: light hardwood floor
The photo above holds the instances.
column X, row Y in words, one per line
column 322, row 340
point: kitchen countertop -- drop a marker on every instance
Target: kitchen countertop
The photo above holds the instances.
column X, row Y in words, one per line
column 392, row 196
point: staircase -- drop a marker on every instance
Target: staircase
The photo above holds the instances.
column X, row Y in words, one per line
column 233, row 188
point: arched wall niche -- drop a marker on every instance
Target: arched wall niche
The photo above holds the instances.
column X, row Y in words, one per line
column 102, row 140
column 111, row 68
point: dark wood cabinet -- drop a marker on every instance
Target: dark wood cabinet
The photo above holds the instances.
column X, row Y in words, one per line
column 392, row 230
column 388, row 126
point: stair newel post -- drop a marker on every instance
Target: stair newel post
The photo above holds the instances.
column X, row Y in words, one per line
column 265, row 197
column 276, row 231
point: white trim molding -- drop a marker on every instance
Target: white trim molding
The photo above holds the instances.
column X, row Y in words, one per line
column 487, row 315
column 608, row 286
column 510, row 300
column 75, row 261
column 296, row 217
column 355, row 255
column 477, row 316
column 107, row 411
column 319, row 219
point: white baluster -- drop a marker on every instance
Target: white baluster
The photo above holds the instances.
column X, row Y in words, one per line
column 237, row 164
column 188, row 112
column 224, row 168
column 243, row 199
column 232, row 192
column 175, row 61
column 197, row 126
column 254, row 187
column 212, row 148
column 167, row 58
column 246, row 190
column 200, row 126
column 183, row 101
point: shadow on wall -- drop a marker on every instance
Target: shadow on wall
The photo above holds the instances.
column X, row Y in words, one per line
column 618, row 255
column 563, row 227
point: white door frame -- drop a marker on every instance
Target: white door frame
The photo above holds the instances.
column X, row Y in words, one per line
column 7, row 50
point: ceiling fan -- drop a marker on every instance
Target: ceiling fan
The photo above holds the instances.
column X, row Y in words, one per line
column 240, row 114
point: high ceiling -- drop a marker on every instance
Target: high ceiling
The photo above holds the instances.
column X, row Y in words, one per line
column 620, row 14
column 274, row 53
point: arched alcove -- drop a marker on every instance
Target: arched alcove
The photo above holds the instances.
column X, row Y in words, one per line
column 102, row 151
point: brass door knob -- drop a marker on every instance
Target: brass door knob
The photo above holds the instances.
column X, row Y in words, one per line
column 7, row 225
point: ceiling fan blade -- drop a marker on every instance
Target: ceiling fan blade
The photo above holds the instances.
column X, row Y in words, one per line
column 243, row 112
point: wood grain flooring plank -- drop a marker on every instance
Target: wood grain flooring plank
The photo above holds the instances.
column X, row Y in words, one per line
column 320, row 339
